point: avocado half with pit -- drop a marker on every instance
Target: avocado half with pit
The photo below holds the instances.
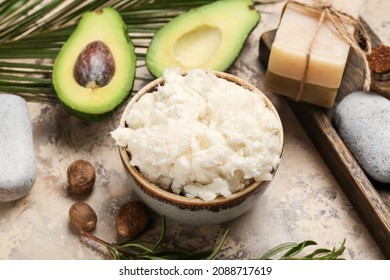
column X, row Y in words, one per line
column 94, row 70
column 208, row 37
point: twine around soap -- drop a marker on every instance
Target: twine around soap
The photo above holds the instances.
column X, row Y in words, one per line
column 340, row 21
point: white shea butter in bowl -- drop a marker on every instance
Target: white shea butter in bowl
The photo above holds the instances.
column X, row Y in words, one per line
column 204, row 137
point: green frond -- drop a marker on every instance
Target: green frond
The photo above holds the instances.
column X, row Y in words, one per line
column 32, row 33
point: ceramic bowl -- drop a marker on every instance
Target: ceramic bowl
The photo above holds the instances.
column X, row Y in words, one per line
column 186, row 210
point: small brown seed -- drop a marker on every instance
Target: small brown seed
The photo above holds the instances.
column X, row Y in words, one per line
column 132, row 219
column 81, row 177
column 82, row 216
column 95, row 66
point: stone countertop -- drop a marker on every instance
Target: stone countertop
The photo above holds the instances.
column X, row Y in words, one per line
column 304, row 201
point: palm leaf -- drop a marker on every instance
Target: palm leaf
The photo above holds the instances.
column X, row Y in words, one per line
column 32, row 33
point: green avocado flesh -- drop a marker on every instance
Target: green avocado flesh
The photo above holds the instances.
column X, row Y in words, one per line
column 208, row 37
column 94, row 70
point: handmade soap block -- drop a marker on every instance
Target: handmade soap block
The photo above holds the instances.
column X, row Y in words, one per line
column 17, row 161
column 363, row 121
column 328, row 57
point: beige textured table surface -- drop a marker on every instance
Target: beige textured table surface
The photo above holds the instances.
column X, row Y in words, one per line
column 303, row 202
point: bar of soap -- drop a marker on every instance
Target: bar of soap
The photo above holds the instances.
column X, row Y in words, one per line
column 17, row 160
column 363, row 121
column 311, row 93
column 328, row 57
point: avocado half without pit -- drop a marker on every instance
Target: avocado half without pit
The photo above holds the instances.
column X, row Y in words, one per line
column 208, row 37
column 94, row 70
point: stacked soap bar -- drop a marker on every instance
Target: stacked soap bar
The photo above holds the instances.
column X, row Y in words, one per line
column 17, row 161
column 328, row 57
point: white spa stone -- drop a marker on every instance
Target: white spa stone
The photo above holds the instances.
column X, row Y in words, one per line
column 17, row 160
column 363, row 122
column 330, row 52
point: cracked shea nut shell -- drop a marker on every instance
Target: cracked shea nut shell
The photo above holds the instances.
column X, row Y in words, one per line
column 132, row 219
column 81, row 177
column 82, row 216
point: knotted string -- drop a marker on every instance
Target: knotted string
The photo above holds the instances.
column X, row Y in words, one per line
column 340, row 21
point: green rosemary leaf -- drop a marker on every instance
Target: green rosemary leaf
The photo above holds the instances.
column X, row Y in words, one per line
column 294, row 249
column 140, row 249
column 316, row 253
column 137, row 250
column 297, row 249
column 341, row 249
column 218, row 247
column 115, row 254
column 278, row 249
column 334, row 254
column 162, row 234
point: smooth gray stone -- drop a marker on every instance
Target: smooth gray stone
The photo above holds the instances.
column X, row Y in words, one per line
column 17, row 160
column 363, row 122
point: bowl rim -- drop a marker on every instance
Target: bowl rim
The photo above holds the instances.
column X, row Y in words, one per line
column 160, row 193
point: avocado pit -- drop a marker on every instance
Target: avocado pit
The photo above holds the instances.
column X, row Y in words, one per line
column 95, row 66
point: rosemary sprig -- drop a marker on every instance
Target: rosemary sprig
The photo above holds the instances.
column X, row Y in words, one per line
column 146, row 250
column 293, row 249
